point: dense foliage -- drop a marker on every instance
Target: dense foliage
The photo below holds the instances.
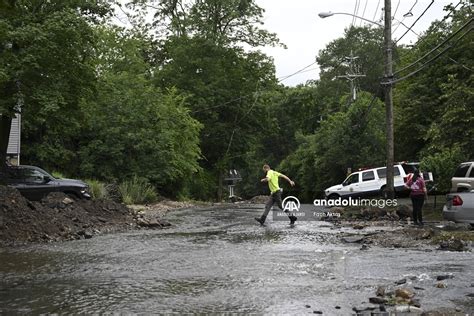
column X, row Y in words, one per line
column 178, row 101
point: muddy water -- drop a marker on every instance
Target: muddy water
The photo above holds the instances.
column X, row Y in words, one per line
column 220, row 261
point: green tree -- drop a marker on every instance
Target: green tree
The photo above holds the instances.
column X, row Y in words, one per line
column 434, row 108
column 348, row 139
column 134, row 128
column 45, row 46
column 365, row 45
column 203, row 59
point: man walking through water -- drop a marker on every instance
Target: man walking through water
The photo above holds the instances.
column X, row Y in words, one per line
column 272, row 177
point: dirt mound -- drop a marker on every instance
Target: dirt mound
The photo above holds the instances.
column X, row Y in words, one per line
column 58, row 217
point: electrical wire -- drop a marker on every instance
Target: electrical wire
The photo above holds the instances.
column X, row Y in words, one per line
column 438, row 24
column 408, row 30
column 396, row 9
column 363, row 122
column 363, row 13
column 376, row 9
column 428, row 62
column 353, row 17
column 304, row 69
column 280, row 79
column 436, row 48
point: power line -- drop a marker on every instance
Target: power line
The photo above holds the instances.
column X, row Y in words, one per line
column 376, row 9
column 438, row 24
column 428, row 62
column 222, row 104
column 304, row 69
column 432, row 1
column 396, row 9
column 437, row 47
column 363, row 13
column 363, row 123
column 295, row 73
column 355, row 13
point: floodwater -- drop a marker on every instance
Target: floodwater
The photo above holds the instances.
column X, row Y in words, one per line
column 218, row 261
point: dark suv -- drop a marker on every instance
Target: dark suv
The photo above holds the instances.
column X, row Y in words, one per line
column 34, row 183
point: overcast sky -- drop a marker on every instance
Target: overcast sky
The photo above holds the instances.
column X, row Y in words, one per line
column 304, row 33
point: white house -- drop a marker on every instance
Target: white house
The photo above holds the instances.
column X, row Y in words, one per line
column 14, row 142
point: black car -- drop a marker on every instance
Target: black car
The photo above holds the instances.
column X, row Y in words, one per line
column 34, row 183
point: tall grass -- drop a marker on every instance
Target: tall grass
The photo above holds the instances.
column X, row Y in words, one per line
column 97, row 189
column 137, row 191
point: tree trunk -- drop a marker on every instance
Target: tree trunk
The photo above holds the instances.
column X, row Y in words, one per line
column 5, row 125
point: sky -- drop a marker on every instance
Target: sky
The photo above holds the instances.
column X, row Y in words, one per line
column 299, row 27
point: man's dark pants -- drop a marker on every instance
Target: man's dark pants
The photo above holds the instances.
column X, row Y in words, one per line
column 275, row 197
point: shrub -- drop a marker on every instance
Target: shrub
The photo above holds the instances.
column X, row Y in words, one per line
column 57, row 175
column 97, row 189
column 443, row 164
column 137, row 191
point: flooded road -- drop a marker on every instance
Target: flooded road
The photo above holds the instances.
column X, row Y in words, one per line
column 219, row 260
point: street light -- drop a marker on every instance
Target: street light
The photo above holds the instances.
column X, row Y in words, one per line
column 323, row 15
column 390, row 191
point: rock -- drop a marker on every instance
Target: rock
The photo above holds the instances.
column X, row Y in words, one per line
column 364, row 247
column 444, row 277
column 353, row 239
column 153, row 223
column 359, row 309
column 358, row 226
column 165, row 223
column 67, row 201
column 307, row 306
column 441, row 285
column 415, row 302
column 377, row 300
column 407, row 309
column 404, row 293
column 380, row 291
column 418, row 288
column 318, row 312
column 451, row 226
column 429, row 233
column 88, row 235
column 470, row 295
column 337, row 307
column 453, row 244
column 400, row 282
column 403, row 211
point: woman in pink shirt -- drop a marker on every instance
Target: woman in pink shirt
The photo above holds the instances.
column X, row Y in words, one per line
column 417, row 187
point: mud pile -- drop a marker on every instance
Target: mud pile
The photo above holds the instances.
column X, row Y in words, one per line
column 58, row 217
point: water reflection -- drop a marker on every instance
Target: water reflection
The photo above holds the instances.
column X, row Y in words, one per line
column 214, row 262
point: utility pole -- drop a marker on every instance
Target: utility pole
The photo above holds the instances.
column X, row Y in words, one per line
column 352, row 76
column 388, row 97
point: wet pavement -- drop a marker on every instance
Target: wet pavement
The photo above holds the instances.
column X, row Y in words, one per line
column 220, row 260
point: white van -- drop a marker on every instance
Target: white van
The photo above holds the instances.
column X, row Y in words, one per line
column 372, row 182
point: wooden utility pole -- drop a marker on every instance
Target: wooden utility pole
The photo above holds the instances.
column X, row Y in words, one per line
column 388, row 97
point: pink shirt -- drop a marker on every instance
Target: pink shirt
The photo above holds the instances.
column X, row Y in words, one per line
column 417, row 187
